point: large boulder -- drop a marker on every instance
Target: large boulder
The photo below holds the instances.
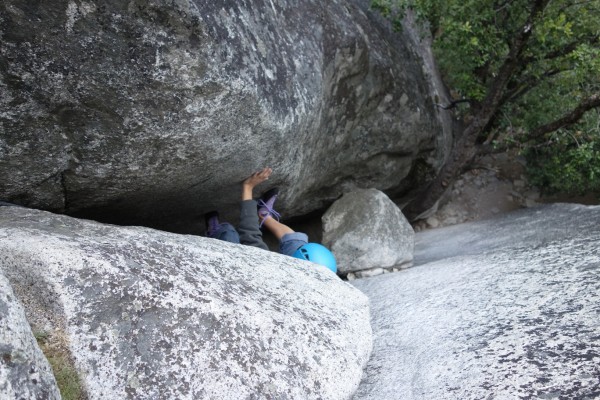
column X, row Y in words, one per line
column 149, row 314
column 24, row 371
column 152, row 112
column 503, row 308
column 366, row 230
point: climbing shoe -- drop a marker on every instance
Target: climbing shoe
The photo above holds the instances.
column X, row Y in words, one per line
column 212, row 222
column 266, row 204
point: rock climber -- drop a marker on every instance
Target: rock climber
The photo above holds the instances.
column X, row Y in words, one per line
column 255, row 215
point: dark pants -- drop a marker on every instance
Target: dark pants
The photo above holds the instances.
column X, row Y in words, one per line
column 249, row 234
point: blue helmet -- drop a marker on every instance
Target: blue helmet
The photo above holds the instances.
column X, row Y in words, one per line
column 318, row 254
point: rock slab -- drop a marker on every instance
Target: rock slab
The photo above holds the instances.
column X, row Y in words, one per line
column 505, row 308
column 150, row 314
column 366, row 230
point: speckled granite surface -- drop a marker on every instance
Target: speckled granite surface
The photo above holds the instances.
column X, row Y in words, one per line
column 151, row 315
column 507, row 308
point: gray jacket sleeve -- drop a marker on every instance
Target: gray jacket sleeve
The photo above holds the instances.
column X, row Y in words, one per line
column 248, row 229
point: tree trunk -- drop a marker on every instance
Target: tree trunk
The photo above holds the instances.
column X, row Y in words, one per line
column 570, row 118
column 538, row 134
column 462, row 154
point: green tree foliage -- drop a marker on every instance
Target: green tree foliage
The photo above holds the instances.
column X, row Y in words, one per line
column 571, row 163
column 529, row 71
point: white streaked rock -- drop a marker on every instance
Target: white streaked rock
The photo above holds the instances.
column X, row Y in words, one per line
column 146, row 113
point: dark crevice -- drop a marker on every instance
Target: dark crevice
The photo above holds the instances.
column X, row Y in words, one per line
column 65, row 191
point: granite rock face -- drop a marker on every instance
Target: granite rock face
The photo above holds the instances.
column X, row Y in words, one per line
column 504, row 308
column 151, row 314
column 24, row 371
column 366, row 230
column 152, row 112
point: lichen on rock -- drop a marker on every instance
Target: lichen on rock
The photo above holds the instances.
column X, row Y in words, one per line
column 24, row 371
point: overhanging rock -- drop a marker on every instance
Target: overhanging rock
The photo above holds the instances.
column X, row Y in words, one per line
column 151, row 113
